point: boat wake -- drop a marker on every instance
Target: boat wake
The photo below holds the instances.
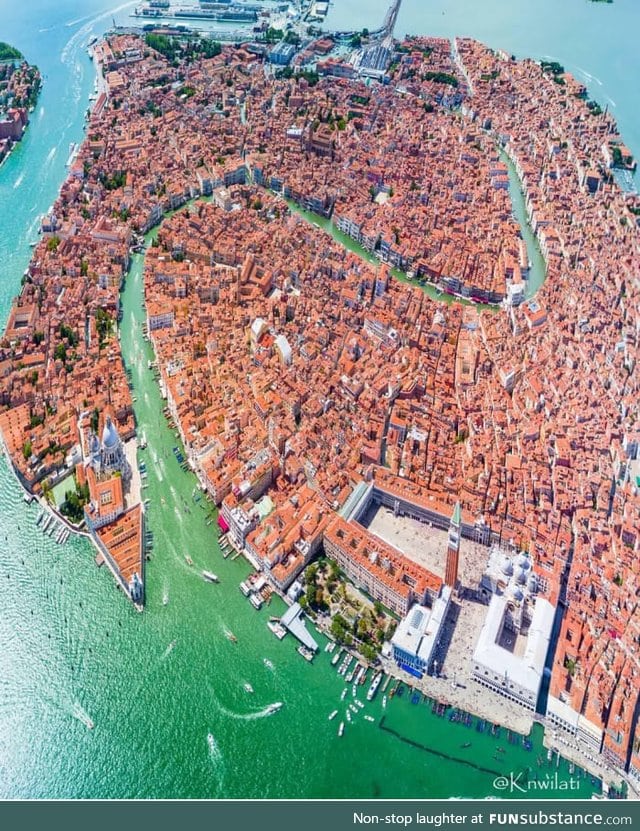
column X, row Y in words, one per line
column 18, row 181
column 51, row 154
column 214, row 750
column 588, row 75
column 81, row 714
column 169, row 650
column 267, row 711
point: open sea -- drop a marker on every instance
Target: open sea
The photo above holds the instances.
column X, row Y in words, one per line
column 165, row 689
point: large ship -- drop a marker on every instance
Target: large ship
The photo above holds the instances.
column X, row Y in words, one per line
column 218, row 12
column 73, row 152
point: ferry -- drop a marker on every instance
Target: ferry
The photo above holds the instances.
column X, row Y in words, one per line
column 256, row 601
column 247, row 687
column 73, row 148
column 373, row 689
column 341, row 728
column 277, row 628
column 333, row 714
column 307, row 654
column 245, row 589
column 210, row 577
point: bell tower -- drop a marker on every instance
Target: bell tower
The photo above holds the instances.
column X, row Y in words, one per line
column 453, row 549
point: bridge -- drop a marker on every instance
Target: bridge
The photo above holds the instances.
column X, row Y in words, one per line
column 390, row 19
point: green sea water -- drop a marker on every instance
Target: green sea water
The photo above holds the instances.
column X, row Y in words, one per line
column 165, row 688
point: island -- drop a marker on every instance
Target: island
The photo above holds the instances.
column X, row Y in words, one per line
column 19, row 88
column 452, row 491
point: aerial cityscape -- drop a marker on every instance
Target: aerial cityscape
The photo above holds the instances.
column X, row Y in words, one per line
column 325, row 347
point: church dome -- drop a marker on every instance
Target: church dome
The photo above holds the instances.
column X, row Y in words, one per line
column 507, row 567
column 110, row 438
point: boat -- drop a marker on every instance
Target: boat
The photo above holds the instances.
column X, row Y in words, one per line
column 245, row 588
column 277, row 628
column 268, row 663
column 369, row 718
column 307, row 654
column 229, row 634
column 344, row 694
column 256, row 601
column 341, row 728
column 188, row 560
column 335, row 659
column 333, row 714
column 466, row 744
column 273, row 708
column 247, row 687
column 72, row 153
column 165, row 598
column 210, row 577
column 348, row 715
column 384, row 701
column 353, row 709
column 359, row 704
column 373, row 689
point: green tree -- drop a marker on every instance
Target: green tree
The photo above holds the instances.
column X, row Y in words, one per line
column 104, row 325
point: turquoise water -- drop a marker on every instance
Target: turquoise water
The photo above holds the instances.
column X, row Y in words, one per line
column 157, row 685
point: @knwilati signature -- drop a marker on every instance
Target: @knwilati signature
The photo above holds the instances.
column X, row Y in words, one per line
column 520, row 783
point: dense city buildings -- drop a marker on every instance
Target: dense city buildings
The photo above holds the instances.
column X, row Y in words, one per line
column 19, row 87
column 311, row 388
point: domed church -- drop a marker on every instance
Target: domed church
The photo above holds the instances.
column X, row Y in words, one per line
column 107, row 455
